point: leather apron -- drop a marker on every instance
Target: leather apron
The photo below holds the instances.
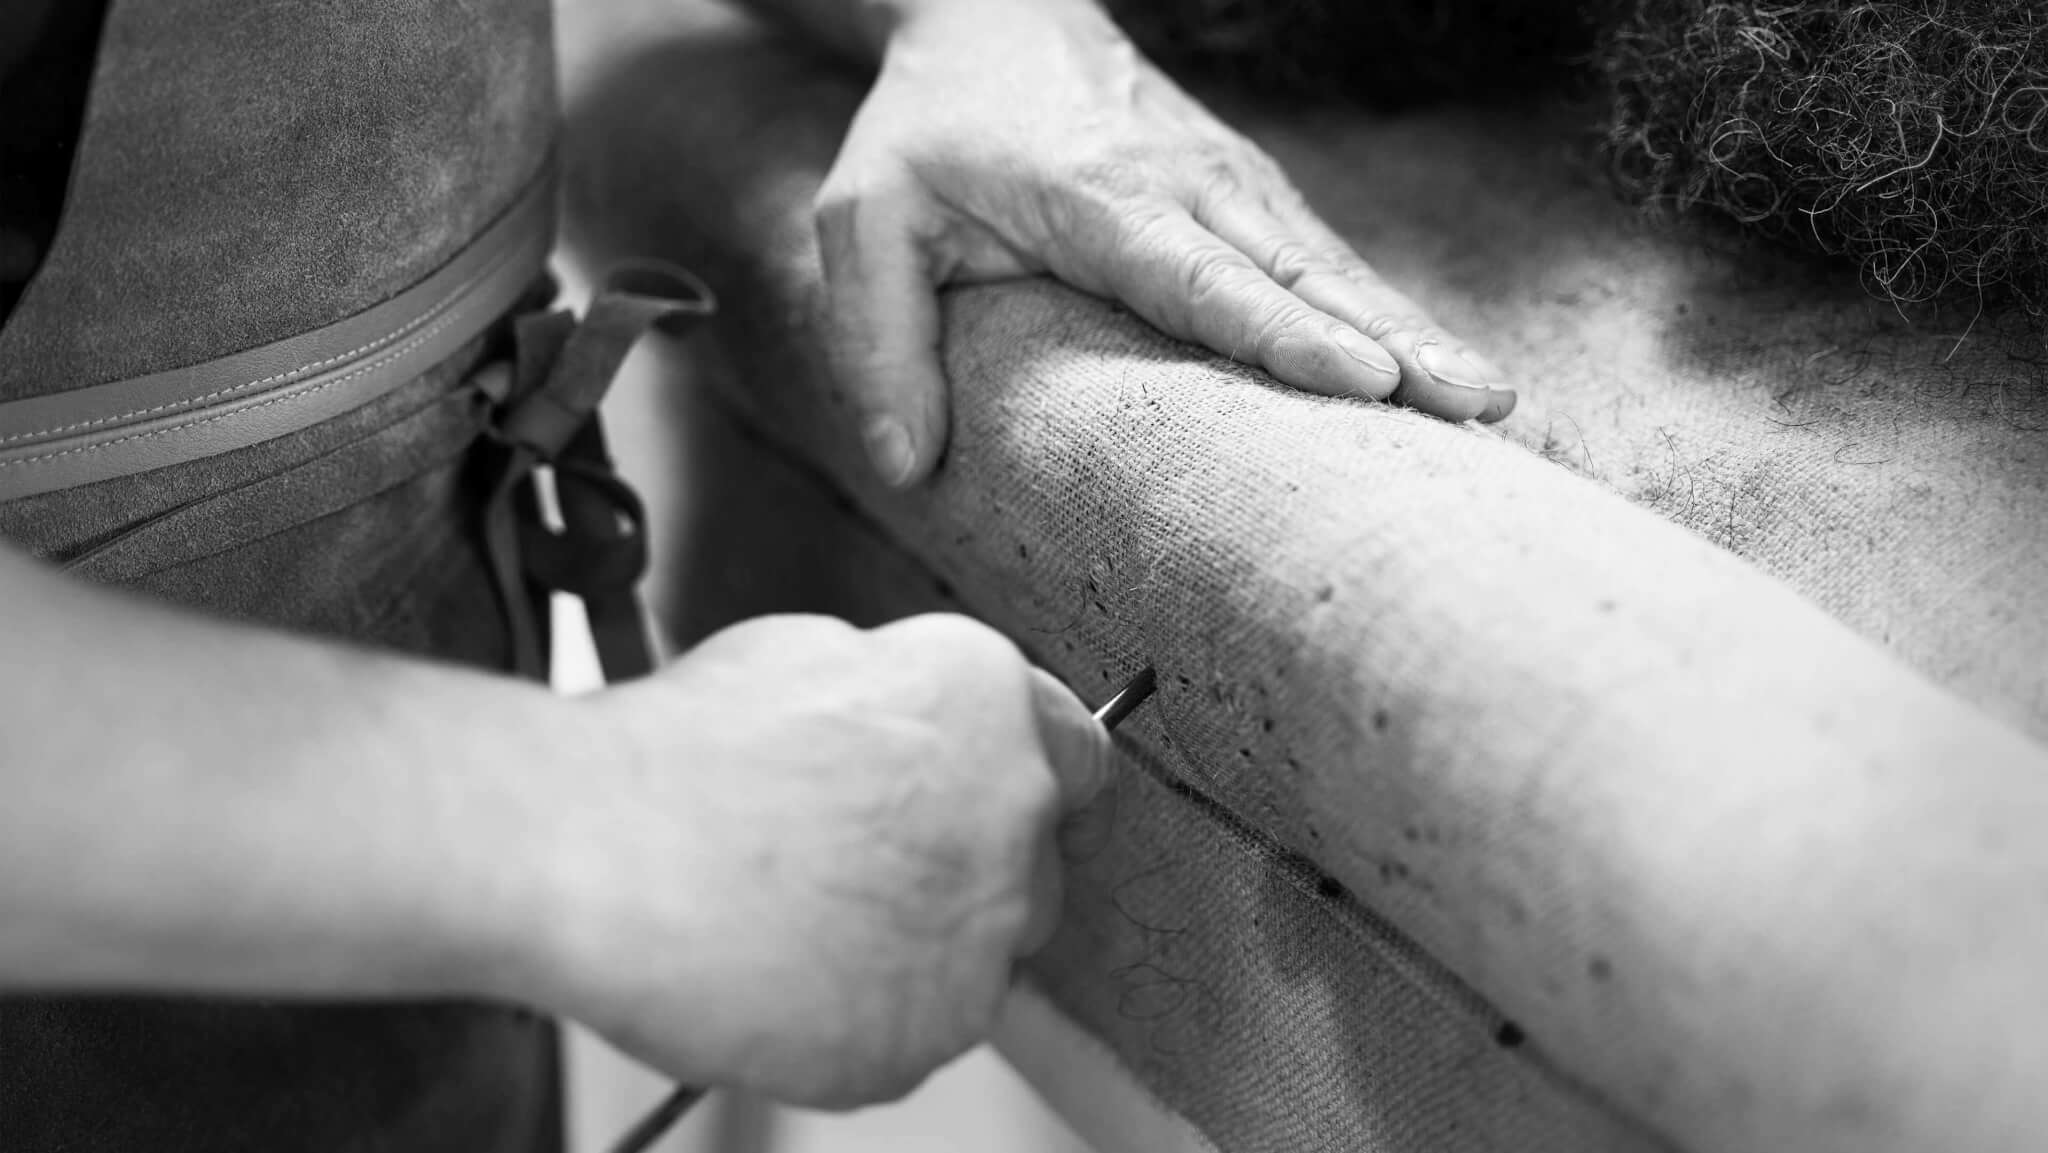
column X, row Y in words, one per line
column 290, row 360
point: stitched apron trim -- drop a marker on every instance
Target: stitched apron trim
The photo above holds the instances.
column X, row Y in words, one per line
column 130, row 426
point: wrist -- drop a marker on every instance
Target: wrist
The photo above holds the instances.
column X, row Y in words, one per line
column 623, row 876
column 522, row 844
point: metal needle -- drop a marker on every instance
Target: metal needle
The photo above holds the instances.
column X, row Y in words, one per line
column 1127, row 698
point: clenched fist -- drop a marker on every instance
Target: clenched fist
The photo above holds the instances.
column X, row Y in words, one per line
column 814, row 878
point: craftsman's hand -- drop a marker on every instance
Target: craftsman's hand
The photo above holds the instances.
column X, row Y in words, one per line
column 1005, row 138
column 821, row 895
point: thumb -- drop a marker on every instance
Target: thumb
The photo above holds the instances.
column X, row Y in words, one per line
column 1077, row 747
column 884, row 324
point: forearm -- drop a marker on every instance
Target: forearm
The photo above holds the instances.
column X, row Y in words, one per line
column 197, row 806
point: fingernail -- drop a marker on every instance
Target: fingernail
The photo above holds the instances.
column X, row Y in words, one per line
column 889, row 449
column 1499, row 404
column 1448, row 368
column 1367, row 352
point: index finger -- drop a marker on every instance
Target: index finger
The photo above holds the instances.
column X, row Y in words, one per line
column 1176, row 273
column 1439, row 374
column 1077, row 747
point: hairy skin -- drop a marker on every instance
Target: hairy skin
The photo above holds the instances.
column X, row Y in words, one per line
column 1907, row 139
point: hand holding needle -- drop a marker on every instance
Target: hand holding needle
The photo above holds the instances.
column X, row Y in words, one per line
column 672, row 1107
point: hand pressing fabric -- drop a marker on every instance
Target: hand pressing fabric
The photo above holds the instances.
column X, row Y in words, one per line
column 1006, row 138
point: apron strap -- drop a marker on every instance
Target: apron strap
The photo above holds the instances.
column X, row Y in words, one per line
column 596, row 546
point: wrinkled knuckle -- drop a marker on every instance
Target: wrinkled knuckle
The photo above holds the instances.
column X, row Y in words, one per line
column 1380, row 327
column 1210, row 274
column 1220, row 180
column 1384, row 325
column 1148, row 220
column 1290, row 200
column 1290, row 262
column 1271, row 326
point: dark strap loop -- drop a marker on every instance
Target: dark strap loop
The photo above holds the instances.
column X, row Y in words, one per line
column 602, row 544
column 563, row 368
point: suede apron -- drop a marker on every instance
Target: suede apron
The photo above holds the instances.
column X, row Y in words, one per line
column 290, row 360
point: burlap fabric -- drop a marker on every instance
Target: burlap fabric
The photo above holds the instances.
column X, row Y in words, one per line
column 1649, row 772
